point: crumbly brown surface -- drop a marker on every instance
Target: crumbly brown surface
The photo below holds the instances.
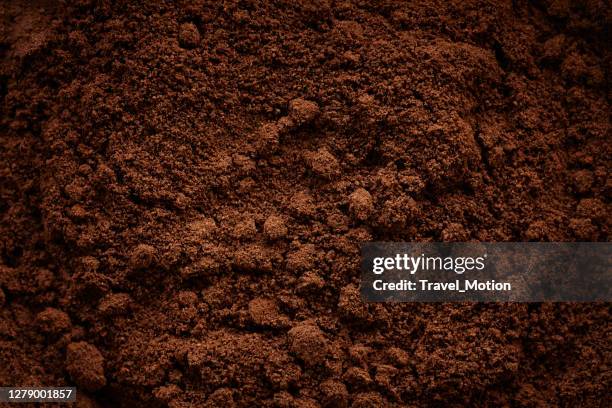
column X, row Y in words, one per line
column 184, row 185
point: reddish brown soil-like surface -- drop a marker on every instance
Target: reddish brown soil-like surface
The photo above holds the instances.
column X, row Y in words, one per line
column 184, row 185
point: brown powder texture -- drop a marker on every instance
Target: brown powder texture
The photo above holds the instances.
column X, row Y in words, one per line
column 184, row 186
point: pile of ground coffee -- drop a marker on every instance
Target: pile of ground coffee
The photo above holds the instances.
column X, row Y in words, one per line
column 184, row 185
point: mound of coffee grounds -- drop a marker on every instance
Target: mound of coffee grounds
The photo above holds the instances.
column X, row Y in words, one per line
column 184, row 186
column 85, row 365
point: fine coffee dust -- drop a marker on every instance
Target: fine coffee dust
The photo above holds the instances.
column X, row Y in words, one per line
column 184, row 186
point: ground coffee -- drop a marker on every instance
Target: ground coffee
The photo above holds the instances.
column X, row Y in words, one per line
column 183, row 187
